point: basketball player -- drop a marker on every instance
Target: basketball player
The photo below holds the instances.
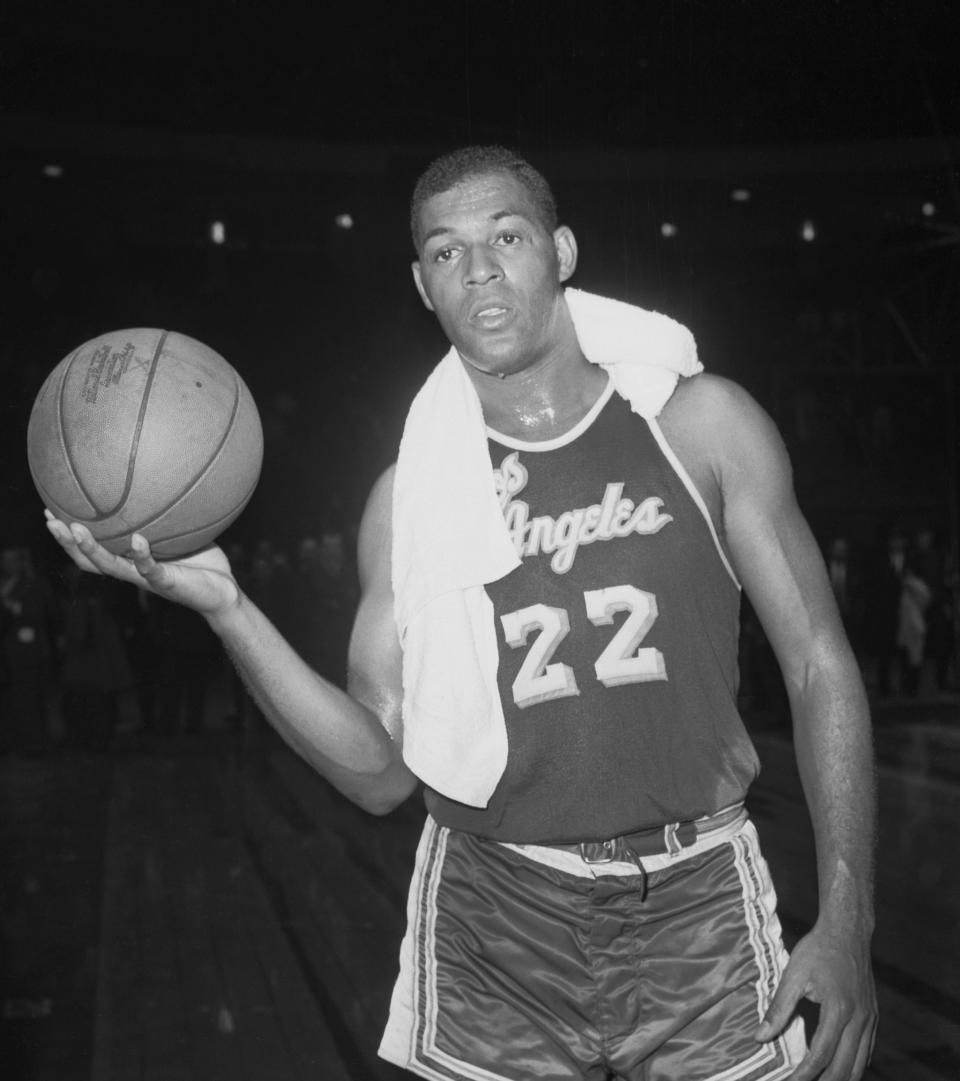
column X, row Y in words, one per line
column 607, row 914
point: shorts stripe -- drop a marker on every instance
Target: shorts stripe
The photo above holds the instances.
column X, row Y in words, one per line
column 778, row 1058
column 410, row 1038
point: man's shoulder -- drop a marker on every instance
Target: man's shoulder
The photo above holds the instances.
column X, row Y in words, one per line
column 376, row 532
column 722, row 435
column 705, row 396
column 717, row 415
column 382, row 488
column 701, row 412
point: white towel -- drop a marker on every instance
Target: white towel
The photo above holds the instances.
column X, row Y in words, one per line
column 450, row 539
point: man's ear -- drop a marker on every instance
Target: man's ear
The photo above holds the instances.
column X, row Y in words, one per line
column 566, row 246
column 418, row 281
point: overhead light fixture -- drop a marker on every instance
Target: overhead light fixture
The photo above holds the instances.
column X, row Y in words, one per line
column 52, row 171
column 668, row 229
column 808, row 230
column 740, row 195
column 344, row 221
column 218, row 232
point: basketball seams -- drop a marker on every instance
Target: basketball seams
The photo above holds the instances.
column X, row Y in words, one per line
column 192, row 483
column 144, row 402
column 205, row 528
column 65, row 449
column 99, row 514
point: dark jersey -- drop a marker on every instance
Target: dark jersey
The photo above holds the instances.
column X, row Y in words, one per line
column 617, row 641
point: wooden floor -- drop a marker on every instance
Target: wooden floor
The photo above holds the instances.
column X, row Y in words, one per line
column 207, row 909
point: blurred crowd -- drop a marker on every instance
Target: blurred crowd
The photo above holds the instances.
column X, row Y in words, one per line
column 81, row 655
column 899, row 602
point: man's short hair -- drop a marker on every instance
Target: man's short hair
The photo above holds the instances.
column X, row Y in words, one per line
column 468, row 162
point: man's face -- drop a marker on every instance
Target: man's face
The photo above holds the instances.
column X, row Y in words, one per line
column 492, row 273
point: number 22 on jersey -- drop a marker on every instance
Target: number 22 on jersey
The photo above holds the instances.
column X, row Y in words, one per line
column 623, row 660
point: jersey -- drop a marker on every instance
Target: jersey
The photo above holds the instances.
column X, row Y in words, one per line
column 617, row 639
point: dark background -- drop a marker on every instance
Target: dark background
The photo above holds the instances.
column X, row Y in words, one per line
column 126, row 130
column 163, row 118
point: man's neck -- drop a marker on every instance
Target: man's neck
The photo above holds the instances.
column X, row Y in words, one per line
column 542, row 401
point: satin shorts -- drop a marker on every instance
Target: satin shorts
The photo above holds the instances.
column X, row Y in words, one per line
column 513, row 968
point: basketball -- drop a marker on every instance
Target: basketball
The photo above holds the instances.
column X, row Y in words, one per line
column 145, row 431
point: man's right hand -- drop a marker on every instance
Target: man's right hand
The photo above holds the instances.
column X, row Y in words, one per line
column 202, row 581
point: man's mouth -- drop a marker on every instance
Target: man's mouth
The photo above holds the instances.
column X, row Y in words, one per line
column 491, row 316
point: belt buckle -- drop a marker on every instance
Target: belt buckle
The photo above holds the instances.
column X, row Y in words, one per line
column 599, row 851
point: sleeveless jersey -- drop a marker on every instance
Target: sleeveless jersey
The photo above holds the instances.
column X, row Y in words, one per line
column 617, row 640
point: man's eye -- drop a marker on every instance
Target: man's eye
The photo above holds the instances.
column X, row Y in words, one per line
column 509, row 238
column 443, row 255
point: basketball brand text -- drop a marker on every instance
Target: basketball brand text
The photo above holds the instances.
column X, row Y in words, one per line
column 105, row 368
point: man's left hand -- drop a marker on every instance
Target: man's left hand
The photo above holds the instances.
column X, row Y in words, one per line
column 833, row 971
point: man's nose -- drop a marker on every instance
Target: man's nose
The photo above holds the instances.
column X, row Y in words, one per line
column 481, row 266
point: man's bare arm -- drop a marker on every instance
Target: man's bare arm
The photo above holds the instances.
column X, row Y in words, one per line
column 346, row 738
column 782, row 571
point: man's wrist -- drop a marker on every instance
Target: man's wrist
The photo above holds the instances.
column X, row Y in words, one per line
column 228, row 619
column 851, row 919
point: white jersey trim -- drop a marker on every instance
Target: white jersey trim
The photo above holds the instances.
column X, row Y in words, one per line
column 561, row 440
column 694, row 494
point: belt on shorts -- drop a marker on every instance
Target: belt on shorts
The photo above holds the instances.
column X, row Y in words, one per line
column 672, row 839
